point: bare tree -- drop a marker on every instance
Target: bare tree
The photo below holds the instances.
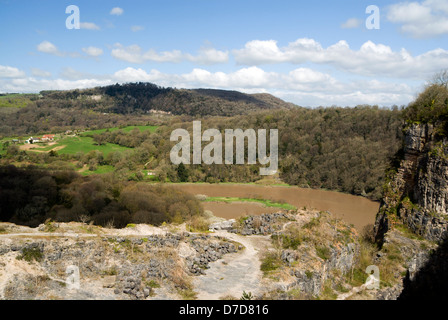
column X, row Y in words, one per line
column 441, row 78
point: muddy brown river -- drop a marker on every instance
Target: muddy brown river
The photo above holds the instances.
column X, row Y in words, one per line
column 355, row 210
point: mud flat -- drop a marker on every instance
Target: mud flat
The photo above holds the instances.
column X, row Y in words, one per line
column 355, row 210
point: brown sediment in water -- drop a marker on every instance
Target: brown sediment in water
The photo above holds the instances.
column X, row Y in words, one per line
column 237, row 209
column 355, row 210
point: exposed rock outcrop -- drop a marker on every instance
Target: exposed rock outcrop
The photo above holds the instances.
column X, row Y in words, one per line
column 34, row 264
column 417, row 193
column 317, row 251
column 416, row 197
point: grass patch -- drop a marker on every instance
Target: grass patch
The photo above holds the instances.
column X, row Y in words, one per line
column 74, row 145
column 152, row 284
column 126, row 129
column 270, row 262
column 266, row 203
column 358, row 276
column 187, row 294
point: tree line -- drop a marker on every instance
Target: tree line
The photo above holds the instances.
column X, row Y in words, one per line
column 29, row 196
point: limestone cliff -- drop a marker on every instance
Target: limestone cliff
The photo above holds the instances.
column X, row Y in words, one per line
column 416, row 200
column 416, row 193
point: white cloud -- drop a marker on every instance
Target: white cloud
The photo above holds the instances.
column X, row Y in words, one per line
column 209, row 56
column 10, row 72
column 117, row 11
column 303, row 86
column 371, row 59
column 131, row 53
column 36, row 72
column 93, row 51
column 48, row 47
column 135, row 54
column 137, row 28
column 31, row 84
column 351, row 23
column 133, row 75
column 424, row 19
column 89, row 26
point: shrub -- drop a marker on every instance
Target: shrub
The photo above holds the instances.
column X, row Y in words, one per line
column 288, row 241
column 30, row 254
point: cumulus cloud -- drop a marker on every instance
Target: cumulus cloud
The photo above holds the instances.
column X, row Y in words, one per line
column 209, row 56
column 351, row 23
column 420, row 19
column 10, row 72
column 371, row 59
column 117, row 11
column 31, row 84
column 89, row 26
column 303, row 86
column 135, row 54
column 48, row 47
column 93, row 51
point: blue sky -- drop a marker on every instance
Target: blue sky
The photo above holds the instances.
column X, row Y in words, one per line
column 308, row 52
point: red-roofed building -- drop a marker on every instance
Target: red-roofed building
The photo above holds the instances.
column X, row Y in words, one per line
column 48, row 137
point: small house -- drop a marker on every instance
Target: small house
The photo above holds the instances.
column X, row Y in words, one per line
column 32, row 140
column 48, row 137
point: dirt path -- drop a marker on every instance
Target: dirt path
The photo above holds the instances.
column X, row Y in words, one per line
column 36, row 147
column 235, row 273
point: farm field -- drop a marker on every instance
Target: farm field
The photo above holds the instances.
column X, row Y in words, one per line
column 73, row 145
column 124, row 129
column 83, row 143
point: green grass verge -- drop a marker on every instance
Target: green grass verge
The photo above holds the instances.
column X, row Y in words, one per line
column 266, row 203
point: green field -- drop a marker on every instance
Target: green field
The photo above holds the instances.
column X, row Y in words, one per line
column 74, row 145
column 124, row 129
column 84, row 144
column 266, row 203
